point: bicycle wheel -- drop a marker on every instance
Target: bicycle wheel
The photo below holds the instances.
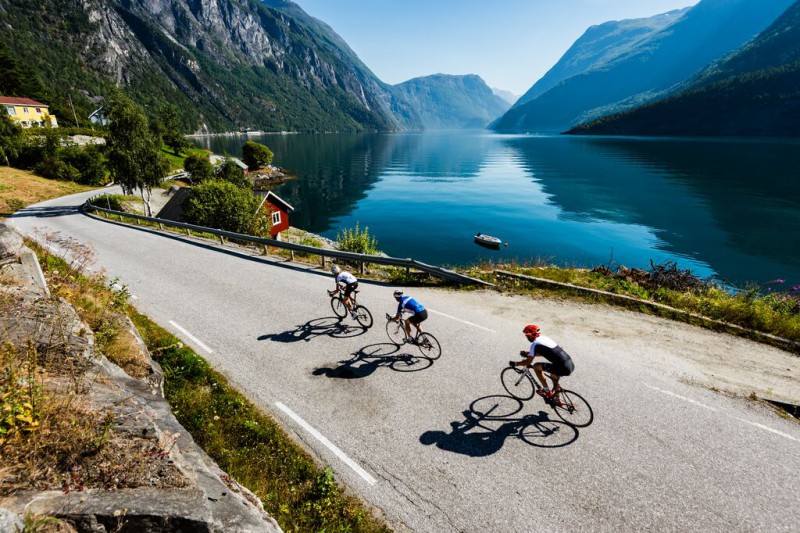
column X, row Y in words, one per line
column 363, row 316
column 396, row 332
column 573, row 409
column 429, row 346
column 339, row 309
column 517, row 383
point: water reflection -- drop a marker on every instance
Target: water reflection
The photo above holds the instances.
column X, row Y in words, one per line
column 715, row 206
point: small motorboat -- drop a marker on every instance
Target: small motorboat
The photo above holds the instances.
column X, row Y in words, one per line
column 487, row 240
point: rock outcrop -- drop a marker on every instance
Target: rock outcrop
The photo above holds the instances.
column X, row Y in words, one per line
column 174, row 485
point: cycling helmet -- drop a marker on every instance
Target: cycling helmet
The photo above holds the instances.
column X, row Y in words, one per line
column 398, row 293
column 531, row 329
column 335, row 269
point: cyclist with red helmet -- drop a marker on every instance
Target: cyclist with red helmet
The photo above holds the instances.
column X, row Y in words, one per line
column 559, row 363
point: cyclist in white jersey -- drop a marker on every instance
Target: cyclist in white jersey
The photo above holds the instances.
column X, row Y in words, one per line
column 559, row 363
column 344, row 281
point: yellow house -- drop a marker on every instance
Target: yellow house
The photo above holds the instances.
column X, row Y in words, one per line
column 26, row 112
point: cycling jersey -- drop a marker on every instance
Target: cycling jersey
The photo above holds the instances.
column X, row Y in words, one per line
column 410, row 305
column 345, row 277
column 555, row 354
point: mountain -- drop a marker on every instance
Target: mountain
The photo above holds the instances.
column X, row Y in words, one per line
column 443, row 101
column 508, row 96
column 754, row 91
column 647, row 68
column 226, row 64
column 598, row 46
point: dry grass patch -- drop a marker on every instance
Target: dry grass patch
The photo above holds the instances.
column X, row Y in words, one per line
column 19, row 188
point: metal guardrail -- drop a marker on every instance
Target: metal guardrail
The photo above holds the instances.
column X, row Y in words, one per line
column 361, row 259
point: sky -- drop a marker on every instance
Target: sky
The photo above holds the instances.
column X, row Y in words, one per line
column 508, row 43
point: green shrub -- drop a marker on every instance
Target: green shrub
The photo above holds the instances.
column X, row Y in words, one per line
column 358, row 241
column 222, row 205
column 256, row 155
column 108, row 201
column 199, row 167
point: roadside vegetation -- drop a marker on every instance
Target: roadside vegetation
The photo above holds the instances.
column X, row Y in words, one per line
column 20, row 188
column 246, row 442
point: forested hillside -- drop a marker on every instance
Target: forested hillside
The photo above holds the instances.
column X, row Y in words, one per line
column 755, row 91
column 226, row 65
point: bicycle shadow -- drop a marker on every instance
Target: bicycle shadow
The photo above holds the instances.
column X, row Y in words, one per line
column 370, row 358
column 318, row 327
column 491, row 420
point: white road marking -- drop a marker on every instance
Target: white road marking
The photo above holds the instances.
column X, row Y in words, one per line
column 191, row 337
column 462, row 321
column 684, row 398
column 761, row 426
column 756, row 424
column 328, row 444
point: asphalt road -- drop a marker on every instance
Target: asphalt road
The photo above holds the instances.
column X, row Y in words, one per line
column 438, row 446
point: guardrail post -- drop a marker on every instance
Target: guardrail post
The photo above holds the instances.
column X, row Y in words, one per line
column 266, row 250
column 291, row 254
column 188, row 232
column 323, row 261
column 221, row 239
column 137, row 221
column 160, row 226
column 361, row 268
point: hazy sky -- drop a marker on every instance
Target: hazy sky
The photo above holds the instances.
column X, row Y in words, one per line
column 509, row 43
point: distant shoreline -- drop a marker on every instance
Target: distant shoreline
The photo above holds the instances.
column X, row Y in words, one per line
column 241, row 133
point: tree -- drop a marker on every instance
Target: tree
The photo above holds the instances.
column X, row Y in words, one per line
column 171, row 128
column 198, row 167
column 134, row 153
column 10, row 138
column 230, row 171
column 222, row 205
column 256, row 155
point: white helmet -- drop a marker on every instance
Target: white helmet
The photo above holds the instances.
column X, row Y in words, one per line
column 335, row 269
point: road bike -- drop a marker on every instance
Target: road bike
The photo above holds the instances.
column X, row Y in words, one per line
column 570, row 406
column 426, row 342
column 361, row 313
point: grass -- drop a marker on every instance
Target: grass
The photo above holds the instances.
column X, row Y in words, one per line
column 176, row 162
column 246, row 442
column 20, row 188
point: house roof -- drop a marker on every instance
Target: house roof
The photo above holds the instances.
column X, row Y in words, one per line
column 277, row 201
column 99, row 111
column 13, row 100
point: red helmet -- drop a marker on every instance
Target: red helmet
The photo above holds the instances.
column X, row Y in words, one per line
column 531, row 329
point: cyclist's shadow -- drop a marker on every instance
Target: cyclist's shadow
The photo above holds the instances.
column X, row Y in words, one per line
column 369, row 358
column 328, row 326
column 491, row 420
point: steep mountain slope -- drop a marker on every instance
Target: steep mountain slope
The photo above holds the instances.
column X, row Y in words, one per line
column 708, row 31
column 443, row 101
column 754, row 91
column 226, row 64
column 598, row 46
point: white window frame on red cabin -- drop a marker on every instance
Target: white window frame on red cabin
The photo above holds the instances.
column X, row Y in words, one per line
column 276, row 218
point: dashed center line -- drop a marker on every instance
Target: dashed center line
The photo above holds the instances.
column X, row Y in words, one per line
column 191, row 337
column 761, row 426
column 684, row 398
column 328, row 444
column 462, row 321
column 695, row 402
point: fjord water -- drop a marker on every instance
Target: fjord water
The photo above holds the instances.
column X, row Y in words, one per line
column 724, row 207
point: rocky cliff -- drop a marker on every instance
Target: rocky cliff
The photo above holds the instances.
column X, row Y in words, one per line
column 108, row 454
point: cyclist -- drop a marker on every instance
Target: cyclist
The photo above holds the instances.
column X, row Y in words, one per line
column 343, row 277
column 559, row 363
column 417, row 313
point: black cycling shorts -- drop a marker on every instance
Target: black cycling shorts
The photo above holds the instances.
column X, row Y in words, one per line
column 348, row 290
column 416, row 318
column 561, row 369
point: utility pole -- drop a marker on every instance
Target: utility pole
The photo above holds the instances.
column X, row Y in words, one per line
column 69, row 95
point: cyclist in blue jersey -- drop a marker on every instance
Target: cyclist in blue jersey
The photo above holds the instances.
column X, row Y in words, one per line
column 559, row 363
column 408, row 305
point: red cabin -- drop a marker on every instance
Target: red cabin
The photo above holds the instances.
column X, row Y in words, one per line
column 279, row 213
